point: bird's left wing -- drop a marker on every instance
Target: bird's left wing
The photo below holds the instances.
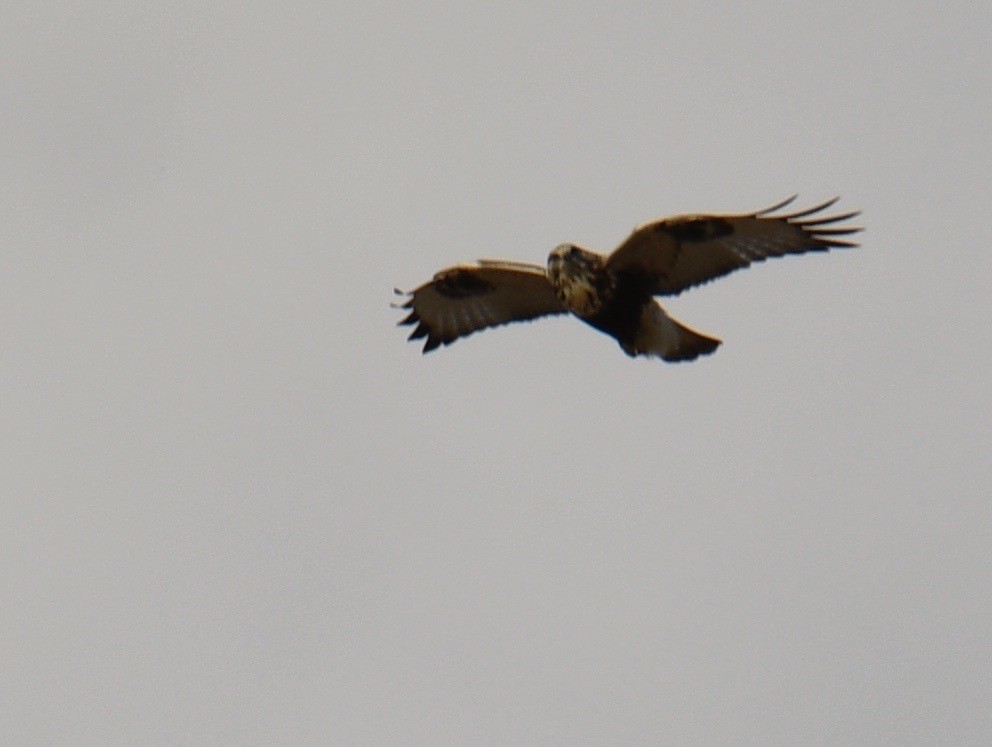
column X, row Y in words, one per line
column 462, row 299
column 673, row 254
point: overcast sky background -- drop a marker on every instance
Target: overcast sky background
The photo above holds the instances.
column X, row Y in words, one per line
column 239, row 507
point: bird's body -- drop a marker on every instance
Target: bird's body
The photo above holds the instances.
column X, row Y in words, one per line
column 620, row 304
column 615, row 294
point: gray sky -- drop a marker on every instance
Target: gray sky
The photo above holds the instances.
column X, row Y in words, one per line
column 239, row 507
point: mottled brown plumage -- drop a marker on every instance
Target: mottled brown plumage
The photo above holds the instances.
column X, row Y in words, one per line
column 615, row 293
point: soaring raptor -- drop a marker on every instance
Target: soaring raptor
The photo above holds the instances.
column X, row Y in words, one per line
column 615, row 294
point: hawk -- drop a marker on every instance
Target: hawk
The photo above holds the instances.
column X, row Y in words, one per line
column 615, row 293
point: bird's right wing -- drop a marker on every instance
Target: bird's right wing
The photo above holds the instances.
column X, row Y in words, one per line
column 677, row 253
column 462, row 299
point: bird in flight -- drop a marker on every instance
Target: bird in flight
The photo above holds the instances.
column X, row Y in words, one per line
column 615, row 293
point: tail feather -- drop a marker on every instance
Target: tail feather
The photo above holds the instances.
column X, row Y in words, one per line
column 662, row 336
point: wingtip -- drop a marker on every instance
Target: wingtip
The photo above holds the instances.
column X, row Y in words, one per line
column 778, row 206
column 804, row 213
column 419, row 331
column 814, row 225
column 815, row 209
column 827, row 219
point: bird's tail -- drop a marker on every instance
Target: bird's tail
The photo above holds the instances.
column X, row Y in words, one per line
column 660, row 335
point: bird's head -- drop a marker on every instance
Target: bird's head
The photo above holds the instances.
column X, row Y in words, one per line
column 572, row 261
column 575, row 274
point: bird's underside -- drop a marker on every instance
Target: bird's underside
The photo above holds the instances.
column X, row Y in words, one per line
column 615, row 293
